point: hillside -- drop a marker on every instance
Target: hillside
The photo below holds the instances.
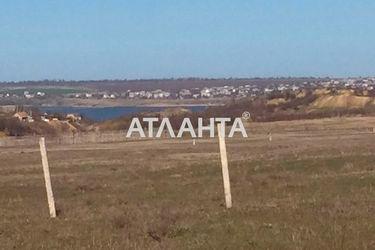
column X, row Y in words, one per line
column 344, row 99
column 304, row 104
column 12, row 126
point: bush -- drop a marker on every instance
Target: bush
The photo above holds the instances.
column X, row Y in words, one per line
column 13, row 127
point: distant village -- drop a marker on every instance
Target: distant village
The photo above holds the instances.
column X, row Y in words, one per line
column 246, row 90
column 18, row 117
column 27, row 117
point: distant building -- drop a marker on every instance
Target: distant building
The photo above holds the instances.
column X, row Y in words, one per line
column 73, row 117
column 44, row 117
column 28, row 95
column 206, row 92
column 295, row 88
column 282, row 88
column 23, row 117
column 268, row 90
column 160, row 94
column 41, row 94
column 184, row 93
column 132, row 95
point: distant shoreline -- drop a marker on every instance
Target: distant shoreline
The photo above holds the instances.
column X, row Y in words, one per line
column 165, row 105
column 99, row 114
column 73, row 102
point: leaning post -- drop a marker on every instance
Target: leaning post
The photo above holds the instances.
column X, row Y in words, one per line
column 224, row 166
column 47, row 178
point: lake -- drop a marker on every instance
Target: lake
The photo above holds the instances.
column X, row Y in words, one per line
column 108, row 113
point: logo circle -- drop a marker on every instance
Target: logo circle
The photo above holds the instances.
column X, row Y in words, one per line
column 246, row 115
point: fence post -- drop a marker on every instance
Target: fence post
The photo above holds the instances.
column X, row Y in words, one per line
column 224, row 167
column 47, row 178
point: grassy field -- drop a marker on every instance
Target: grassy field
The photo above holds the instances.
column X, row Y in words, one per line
column 312, row 187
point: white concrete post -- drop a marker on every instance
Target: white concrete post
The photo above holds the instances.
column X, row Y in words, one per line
column 47, row 178
column 224, row 167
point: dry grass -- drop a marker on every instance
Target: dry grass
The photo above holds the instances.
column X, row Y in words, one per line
column 345, row 99
column 311, row 187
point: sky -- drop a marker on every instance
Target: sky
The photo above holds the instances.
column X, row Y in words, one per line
column 83, row 40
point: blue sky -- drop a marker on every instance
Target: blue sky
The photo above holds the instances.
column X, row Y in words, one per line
column 91, row 39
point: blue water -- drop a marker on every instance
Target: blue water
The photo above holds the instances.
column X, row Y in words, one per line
column 108, row 113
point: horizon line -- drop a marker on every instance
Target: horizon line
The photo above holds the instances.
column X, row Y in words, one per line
column 185, row 78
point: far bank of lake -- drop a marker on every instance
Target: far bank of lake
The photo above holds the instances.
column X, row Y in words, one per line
column 107, row 113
